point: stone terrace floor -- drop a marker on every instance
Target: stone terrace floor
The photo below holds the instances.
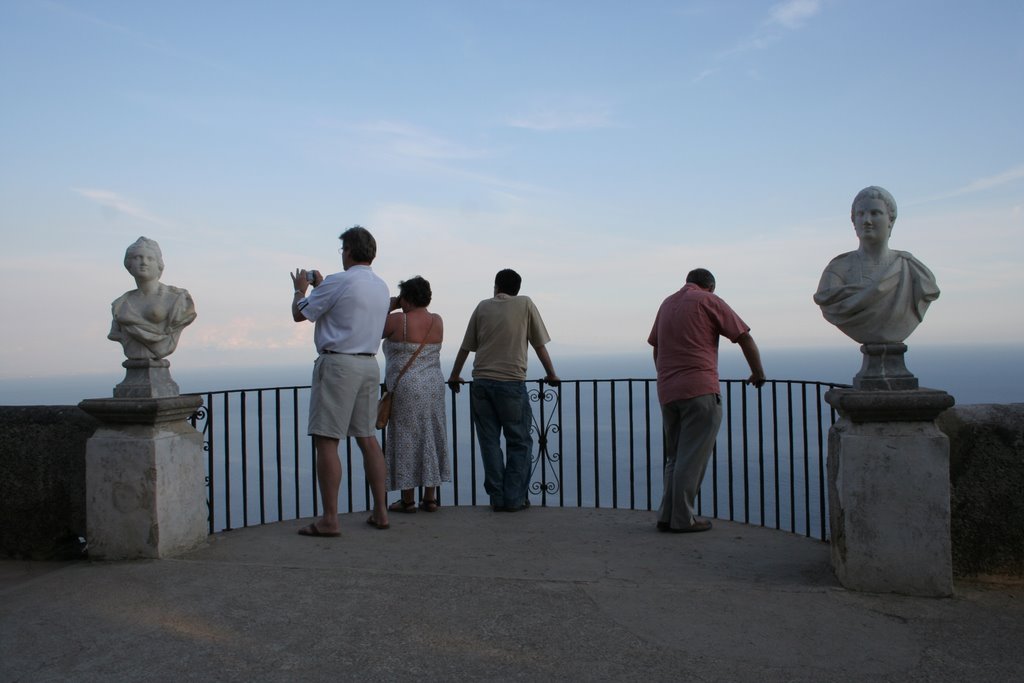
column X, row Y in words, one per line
column 468, row 594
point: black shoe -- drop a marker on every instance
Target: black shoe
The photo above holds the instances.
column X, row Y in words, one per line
column 664, row 526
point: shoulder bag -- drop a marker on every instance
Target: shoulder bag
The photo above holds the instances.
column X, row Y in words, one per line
column 384, row 403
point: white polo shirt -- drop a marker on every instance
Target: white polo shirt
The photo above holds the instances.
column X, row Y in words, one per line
column 349, row 309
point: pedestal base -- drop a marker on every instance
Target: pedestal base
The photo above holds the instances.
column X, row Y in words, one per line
column 884, row 368
column 889, row 497
column 145, row 479
column 146, row 379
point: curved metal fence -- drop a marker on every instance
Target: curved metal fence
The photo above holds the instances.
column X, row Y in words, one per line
column 597, row 443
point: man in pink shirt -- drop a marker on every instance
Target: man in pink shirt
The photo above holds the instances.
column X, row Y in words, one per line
column 685, row 340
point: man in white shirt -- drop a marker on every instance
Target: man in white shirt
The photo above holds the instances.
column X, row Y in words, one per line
column 349, row 310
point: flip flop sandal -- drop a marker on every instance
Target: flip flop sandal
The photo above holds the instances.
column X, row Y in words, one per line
column 376, row 524
column 312, row 530
column 401, row 506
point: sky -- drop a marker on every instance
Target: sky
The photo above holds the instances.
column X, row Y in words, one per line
column 600, row 148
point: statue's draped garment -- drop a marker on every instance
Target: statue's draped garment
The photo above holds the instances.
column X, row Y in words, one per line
column 883, row 309
column 148, row 327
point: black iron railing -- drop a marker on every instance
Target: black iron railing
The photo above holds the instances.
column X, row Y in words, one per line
column 597, row 443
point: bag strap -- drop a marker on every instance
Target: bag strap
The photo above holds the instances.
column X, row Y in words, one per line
column 415, row 353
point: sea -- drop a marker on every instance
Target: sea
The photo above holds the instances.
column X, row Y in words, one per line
column 604, row 446
column 983, row 374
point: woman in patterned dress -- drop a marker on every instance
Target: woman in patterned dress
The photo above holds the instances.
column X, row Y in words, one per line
column 416, row 444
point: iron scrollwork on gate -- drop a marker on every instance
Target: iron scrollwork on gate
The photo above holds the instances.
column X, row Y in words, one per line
column 545, row 423
column 200, row 421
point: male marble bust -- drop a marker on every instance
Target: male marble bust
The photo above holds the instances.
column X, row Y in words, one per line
column 148, row 320
column 875, row 294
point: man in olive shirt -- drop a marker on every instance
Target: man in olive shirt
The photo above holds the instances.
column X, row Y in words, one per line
column 498, row 332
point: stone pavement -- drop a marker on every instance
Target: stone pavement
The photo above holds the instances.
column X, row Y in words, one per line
column 469, row 594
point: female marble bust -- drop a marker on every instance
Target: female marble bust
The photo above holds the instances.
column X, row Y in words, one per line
column 148, row 320
column 875, row 294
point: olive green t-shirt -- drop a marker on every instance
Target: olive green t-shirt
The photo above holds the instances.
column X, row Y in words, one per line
column 498, row 332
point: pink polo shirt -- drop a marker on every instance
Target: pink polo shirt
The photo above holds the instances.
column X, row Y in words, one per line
column 685, row 340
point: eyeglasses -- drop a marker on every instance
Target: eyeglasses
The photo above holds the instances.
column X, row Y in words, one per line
column 341, row 249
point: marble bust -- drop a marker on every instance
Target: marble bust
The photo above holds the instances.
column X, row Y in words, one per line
column 148, row 320
column 875, row 295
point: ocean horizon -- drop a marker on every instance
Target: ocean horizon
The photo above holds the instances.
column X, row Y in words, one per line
column 987, row 374
column 582, row 463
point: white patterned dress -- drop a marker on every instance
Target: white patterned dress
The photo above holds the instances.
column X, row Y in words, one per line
column 416, row 443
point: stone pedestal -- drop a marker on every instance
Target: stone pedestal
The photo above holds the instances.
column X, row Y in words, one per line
column 145, row 478
column 146, row 379
column 888, row 472
column 884, row 369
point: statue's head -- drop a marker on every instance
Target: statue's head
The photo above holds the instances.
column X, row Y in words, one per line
column 875, row 192
column 144, row 245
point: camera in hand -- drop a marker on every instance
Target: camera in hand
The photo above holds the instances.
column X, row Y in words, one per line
column 311, row 277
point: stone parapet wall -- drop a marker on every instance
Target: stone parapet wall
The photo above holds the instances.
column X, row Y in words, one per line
column 42, row 480
column 43, row 497
column 986, row 450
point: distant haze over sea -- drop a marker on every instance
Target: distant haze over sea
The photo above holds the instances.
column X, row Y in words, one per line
column 987, row 374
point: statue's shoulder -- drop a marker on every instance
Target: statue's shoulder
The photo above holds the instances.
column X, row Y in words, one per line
column 176, row 292
column 919, row 271
column 843, row 260
column 172, row 289
column 119, row 301
column 908, row 257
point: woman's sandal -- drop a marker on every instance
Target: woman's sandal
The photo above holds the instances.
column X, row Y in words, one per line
column 429, row 505
column 401, row 505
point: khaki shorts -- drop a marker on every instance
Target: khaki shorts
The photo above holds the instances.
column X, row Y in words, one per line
column 343, row 398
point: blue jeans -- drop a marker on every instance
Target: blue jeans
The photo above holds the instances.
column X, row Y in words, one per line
column 499, row 407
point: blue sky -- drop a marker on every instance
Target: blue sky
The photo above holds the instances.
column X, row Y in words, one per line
column 602, row 149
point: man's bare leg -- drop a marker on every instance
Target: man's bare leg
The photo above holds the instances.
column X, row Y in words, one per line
column 376, row 471
column 328, row 474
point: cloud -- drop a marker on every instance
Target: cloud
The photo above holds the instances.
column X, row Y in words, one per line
column 416, row 149
column 793, row 13
column 135, row 37
column 112, row 200
column 782, row 18
column 411, row 141
column 704, row 74
column 978, row 185
column 61, row 8
column 567, row 115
